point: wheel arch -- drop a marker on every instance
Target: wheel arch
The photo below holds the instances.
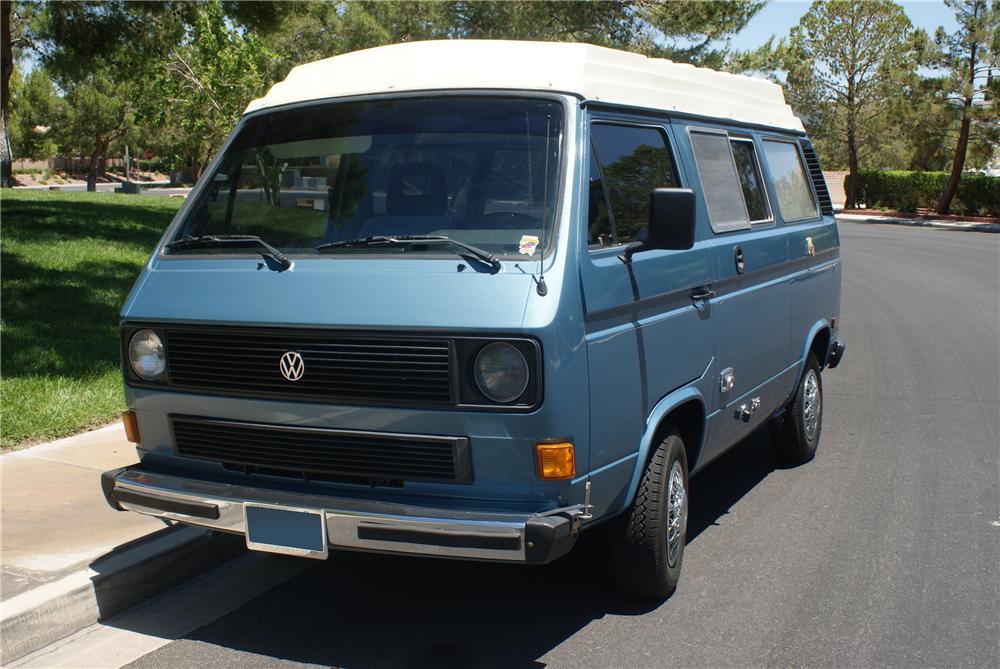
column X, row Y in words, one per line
column 682, row 410
column 818, row 342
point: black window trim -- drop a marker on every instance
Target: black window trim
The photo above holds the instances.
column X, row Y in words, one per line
column 592, row 154
column 771, row 220
column 805, row 171
column 596, row 159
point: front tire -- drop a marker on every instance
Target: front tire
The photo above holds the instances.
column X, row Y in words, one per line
column 647, row 543
column 796, row 437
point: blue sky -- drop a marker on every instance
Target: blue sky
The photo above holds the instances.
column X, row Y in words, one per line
column 780, row 15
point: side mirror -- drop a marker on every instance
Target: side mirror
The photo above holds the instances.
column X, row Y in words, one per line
column 671, row 218
column 671, row 222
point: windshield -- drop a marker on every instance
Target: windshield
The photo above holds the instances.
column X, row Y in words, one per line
column 480, row 170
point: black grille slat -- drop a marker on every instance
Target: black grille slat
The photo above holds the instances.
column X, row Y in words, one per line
column 338, row 366
column 333, row 461
column 325, row 377
column 254, row 352
column 304, row 452
column 816, row 173
column 325, row 466
column 293, row 451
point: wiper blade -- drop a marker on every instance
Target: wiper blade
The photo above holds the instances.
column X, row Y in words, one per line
column 208, row 241
column 378, row 240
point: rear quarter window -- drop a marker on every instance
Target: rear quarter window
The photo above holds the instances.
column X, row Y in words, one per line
column 791, row 184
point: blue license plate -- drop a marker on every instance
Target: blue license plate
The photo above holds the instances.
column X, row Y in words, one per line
column 287, row 531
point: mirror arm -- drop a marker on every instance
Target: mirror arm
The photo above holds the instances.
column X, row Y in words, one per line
column 630, row 250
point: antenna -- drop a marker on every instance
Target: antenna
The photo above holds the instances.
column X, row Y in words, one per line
column 540, row 285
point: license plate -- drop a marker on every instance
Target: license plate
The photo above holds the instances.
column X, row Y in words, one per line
column 278, row 529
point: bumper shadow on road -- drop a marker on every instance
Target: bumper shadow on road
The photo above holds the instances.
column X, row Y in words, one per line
column 360, row 610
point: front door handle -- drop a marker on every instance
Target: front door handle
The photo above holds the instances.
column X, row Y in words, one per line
column 702, row 293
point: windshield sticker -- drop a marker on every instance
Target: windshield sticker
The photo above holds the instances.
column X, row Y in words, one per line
column 527, row 245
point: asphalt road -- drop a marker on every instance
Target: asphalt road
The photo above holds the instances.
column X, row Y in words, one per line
column 885, row 550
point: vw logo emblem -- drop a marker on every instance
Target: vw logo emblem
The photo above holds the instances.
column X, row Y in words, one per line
column 292, row 366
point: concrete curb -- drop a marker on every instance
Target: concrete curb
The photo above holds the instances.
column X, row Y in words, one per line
column 920, row 223
column 131, row 574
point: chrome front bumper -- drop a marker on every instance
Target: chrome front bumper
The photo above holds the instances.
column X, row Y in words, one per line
column 353, row 524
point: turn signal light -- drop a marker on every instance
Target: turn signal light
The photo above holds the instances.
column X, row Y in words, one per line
column 555, row 462
column 131, row 426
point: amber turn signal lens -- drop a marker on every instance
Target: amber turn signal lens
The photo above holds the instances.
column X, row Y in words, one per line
column 131, row 426
column 555, row 462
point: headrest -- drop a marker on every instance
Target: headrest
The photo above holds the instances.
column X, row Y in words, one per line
column 416, row 189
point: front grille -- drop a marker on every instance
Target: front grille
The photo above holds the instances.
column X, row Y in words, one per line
column 825, row 203
column 316, row 453
column 338, row 366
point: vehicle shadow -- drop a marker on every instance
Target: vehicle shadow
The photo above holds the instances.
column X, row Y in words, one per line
column 359, row 610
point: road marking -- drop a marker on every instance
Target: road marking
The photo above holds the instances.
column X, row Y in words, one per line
column 124, row 638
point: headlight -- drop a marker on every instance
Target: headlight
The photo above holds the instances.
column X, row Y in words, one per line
column 501, row 372
column 145, row 354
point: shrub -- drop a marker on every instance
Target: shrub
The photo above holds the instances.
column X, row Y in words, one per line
column 909, row 191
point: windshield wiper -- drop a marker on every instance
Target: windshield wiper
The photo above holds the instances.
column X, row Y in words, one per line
column 379, row 240
column 208, row 241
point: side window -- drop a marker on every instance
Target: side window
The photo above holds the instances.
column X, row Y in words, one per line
column 748, row 169
column 599, row 232
column 634, row 161
column 720, row 181
column 791, row 185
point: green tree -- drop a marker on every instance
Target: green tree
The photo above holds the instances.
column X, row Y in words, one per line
column 208, row 80
column 846, row 62
column 925, row 125
column 969, row 57
column 97, row 117
column 18, row 26
column 689, row 32
column 35, row 108
column 193, row 52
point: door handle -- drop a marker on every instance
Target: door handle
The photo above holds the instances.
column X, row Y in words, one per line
column 702, row 293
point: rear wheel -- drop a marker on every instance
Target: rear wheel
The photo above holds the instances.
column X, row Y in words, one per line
column 796, row 437
column 647, row 542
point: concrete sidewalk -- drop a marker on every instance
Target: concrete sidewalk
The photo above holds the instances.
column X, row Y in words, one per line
column 68, row 559
column 920, row 222
column 54, row 517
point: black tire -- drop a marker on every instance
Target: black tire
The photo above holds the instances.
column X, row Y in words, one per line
column 642, row 564
column 795, row 434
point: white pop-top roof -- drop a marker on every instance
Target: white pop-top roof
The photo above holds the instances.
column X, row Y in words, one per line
column 593, row 72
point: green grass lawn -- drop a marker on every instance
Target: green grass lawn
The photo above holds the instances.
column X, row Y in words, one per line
column 67, row 261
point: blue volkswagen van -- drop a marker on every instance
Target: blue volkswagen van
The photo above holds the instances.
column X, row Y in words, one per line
column 471, row 299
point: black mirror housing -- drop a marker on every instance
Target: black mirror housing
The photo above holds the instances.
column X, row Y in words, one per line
column 671, row 218
column 671, row 223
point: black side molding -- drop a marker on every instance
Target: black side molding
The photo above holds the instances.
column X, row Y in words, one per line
column 187, row 508
column 435, row 537
column 115, row 497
